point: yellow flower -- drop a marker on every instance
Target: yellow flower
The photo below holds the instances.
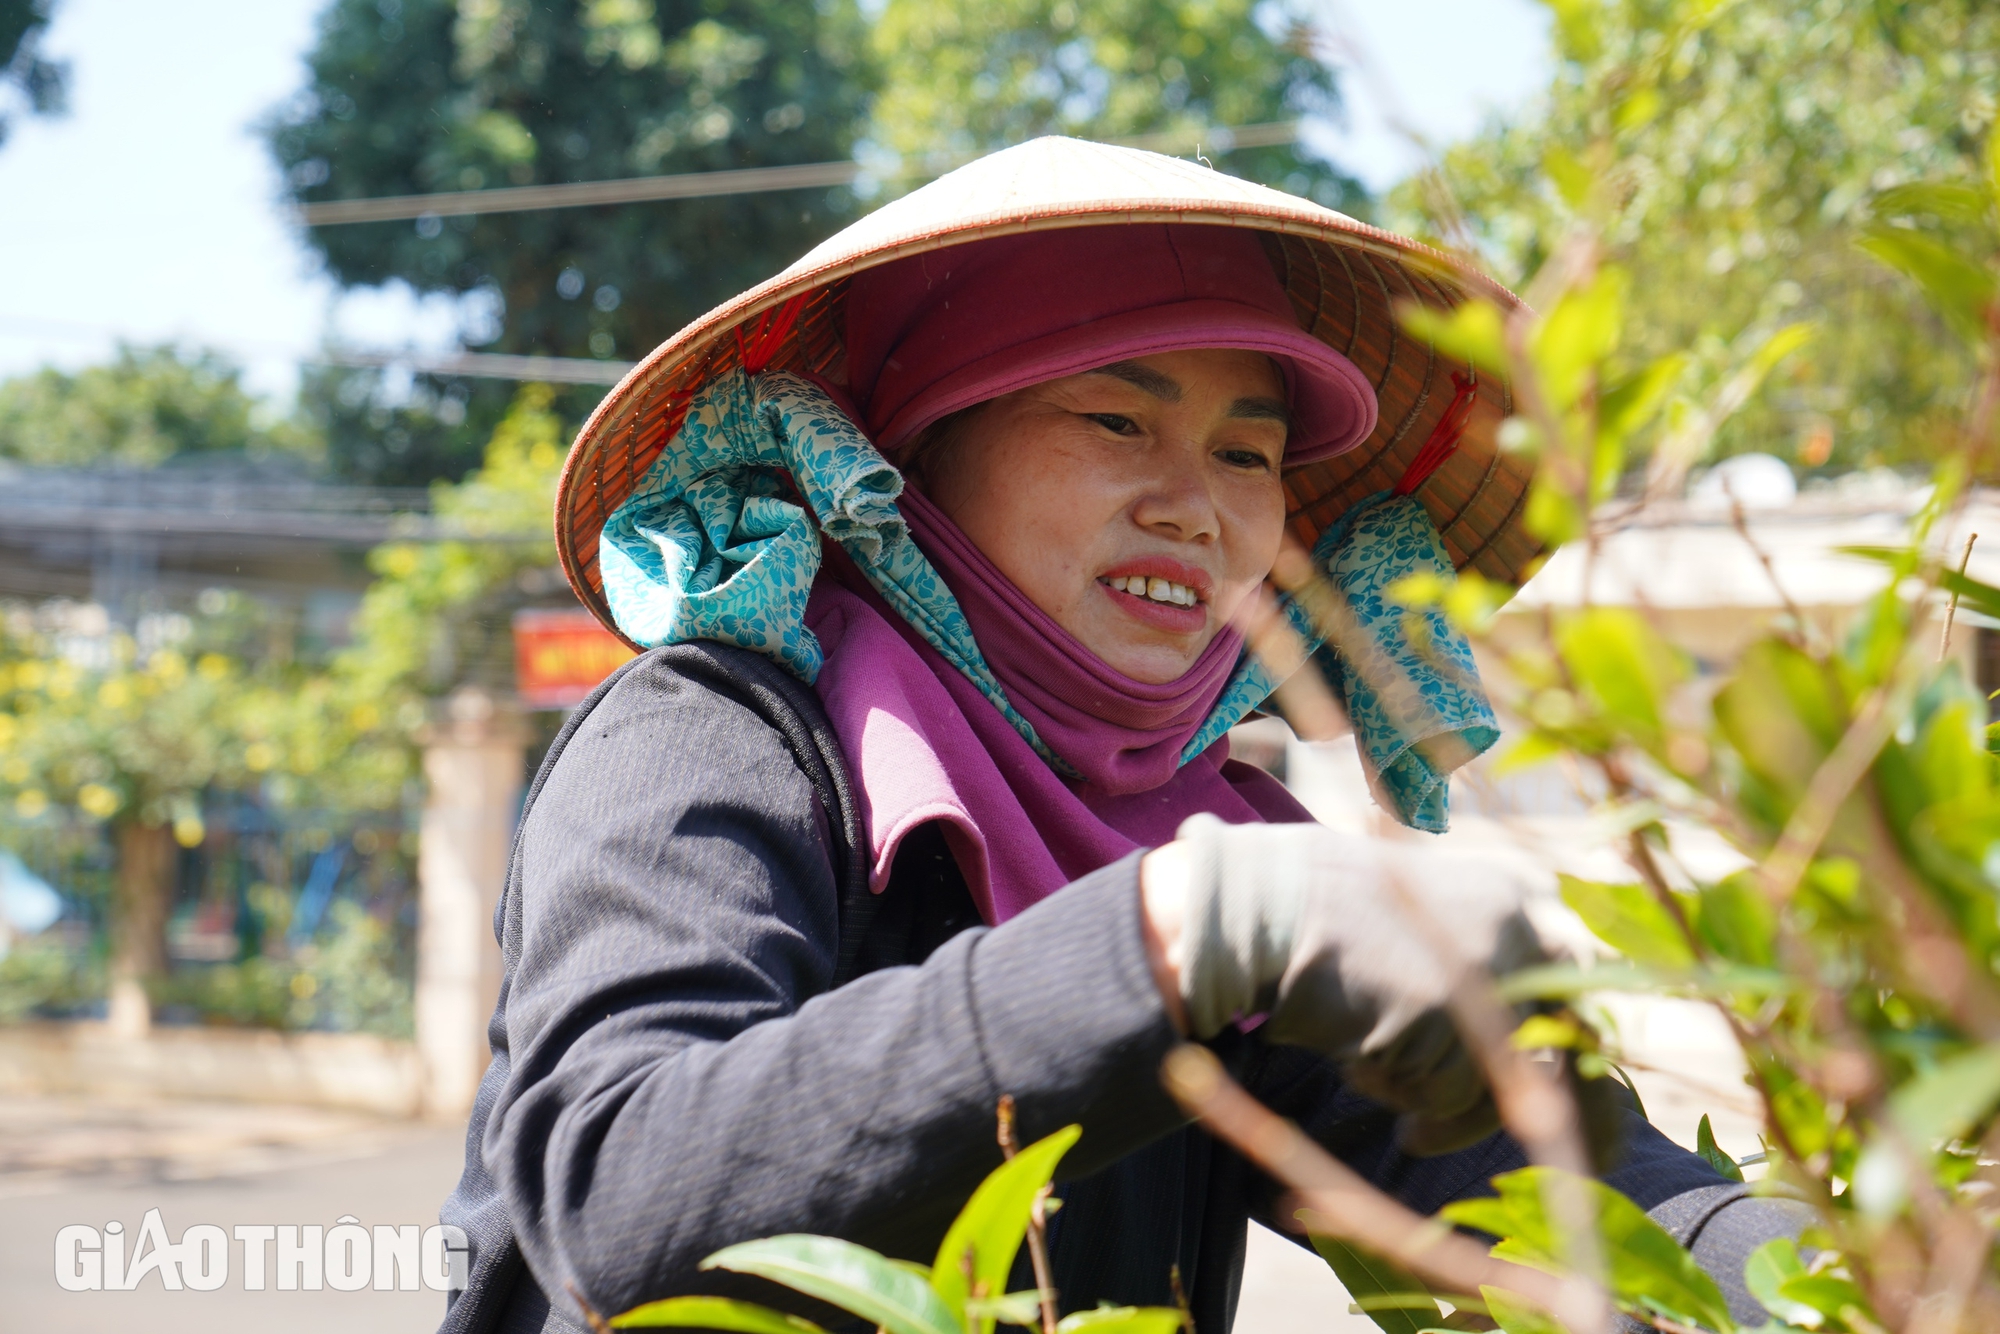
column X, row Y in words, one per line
column 212, row 666
column 16, row 770
column 189, row 831
column 366, row 718
column 304, row 985
column 260, row 755
column 7, row 729
column 31, row 803
column 30, row 675
column 97, row 800
column 168, row 665
column 114, row 694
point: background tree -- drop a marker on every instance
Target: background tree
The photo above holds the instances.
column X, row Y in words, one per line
column 1743, row 164
column 439, row 613
column 147, row 406
column 38, row 80
column 961, row 80
column 410, row 96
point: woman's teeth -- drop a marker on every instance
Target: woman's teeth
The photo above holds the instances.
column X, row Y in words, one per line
column 1159, row 590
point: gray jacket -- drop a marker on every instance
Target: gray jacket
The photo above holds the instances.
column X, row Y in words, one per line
column 709, row 1031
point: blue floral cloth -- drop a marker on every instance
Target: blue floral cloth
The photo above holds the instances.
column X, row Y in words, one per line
column 1416, row 703
column 708, row 547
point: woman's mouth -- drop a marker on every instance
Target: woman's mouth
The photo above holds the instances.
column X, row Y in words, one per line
column 1149, row 591
column 1153, row 589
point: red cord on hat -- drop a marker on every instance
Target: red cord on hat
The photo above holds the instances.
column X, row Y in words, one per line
column 1444, row 437
column 768, row 335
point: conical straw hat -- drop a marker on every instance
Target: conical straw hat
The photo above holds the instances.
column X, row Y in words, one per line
column 1344, row 278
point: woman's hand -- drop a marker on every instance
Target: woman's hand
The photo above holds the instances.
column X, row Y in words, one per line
column 1350, row 945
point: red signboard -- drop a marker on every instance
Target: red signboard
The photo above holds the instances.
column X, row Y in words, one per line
column 561, row 655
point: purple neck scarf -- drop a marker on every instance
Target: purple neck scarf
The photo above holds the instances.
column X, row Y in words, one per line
column 927, row 748
column 1122, row 736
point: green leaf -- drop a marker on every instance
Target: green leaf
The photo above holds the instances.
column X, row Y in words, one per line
column 1957, row 288
column 994, row 1221
column 1516, row 1315
column 1830, row 1296
column 1781, row 344
column 1573, row 180
column 1576, row 27
column 1639, row 110
column 1736, row 921
column 1949, row 1099
column 1573, row 341
column 1630, row 920
column 843, row 1274
column 1545, row 1030
column 1623, row 666
column 1972, row 594
column 1015, row 1308
column 1947, row 203
column 1649, row 1269
column 1563, row 981
column 1123, row 1320
column 713, row 1313
column 1766, row 1272
column 1705, row 1145
column 1473, row 331
column 1632, row 402
column 1367, row 1276
column 1782, row 712
column 1552, row 514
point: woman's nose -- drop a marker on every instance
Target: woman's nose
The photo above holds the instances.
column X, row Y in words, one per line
column 1175, row 500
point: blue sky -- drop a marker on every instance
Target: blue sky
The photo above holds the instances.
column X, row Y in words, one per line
column 151, row 211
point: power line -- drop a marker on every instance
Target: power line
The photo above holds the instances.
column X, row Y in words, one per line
column 709, row 184
column 485, row 365
column 474, row 365
column 581, row 194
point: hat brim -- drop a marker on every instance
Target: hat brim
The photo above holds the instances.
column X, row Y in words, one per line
column 1332, row 401
column 1344, row 278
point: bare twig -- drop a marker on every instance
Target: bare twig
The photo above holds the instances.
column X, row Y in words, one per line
column 1343, row 1204
column 1741, row 523
column 1038, row 1222
column 1951, row 608
column 598, row 1324
column 1309, row 706
column 1180, row 1298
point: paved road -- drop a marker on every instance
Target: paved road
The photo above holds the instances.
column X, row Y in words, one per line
column 67, row 1162
column 159, row 1157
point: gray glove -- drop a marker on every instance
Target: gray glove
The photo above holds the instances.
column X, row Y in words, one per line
column 1324, row 933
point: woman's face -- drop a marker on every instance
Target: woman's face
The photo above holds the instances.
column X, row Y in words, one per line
column 1137, row 504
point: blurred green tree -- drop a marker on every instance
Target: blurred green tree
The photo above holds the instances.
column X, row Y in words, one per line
column 148, row 405
column 439, row 613
column 41, row 81
column 960, row 80
column 413, row 96
column 1741, row 170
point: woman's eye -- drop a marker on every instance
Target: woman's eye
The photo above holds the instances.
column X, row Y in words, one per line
column 1114, row 423
column 1244, row 458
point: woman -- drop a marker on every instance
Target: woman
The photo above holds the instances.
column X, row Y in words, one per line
column 863, row 844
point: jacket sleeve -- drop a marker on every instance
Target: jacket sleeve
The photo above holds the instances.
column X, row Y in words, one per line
column 681, row 1078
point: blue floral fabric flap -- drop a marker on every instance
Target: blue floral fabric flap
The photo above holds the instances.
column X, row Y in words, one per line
column 1417, row 705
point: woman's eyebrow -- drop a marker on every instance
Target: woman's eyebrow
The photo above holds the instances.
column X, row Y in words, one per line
column 1161, row 386
column 1262, row 409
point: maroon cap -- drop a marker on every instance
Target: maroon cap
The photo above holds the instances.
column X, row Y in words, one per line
column 950, row 328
